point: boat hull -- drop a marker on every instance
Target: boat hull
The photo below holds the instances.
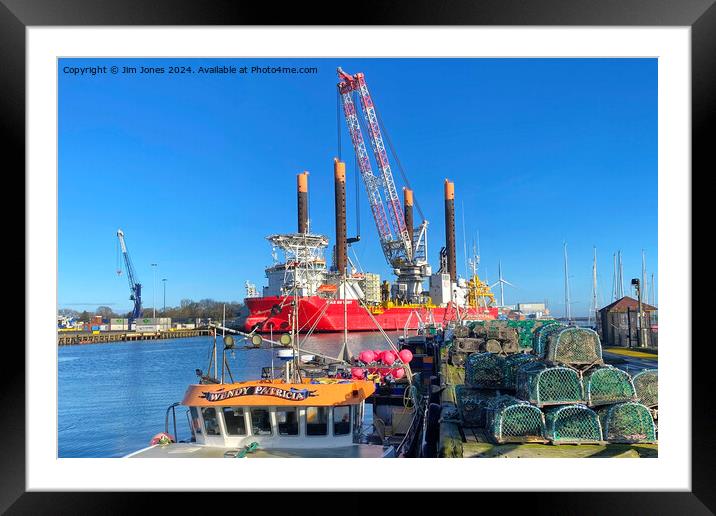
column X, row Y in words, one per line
column 267, row 314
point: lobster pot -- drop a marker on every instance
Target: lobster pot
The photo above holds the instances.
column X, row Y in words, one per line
column 574, row 346
column 607, row 385
column 539, row 339
column 471, row 404
column 509, row 420
column 572, row 424
column 646, row 384
column 512, row 364
column 484, row 371
column 477, row 329
column 627, row 423
column 543, row 384
column 461, row 331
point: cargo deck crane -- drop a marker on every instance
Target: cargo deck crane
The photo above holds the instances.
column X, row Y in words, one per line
column 404, row 249
column 135, row 287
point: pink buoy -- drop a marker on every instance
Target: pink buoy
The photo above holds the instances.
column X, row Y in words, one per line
column 398, row 373
column 405, row 355
column 366, row 356
column 358, row 373
column 388, row 358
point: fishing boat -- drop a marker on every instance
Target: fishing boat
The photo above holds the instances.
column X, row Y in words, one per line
column 291, row 416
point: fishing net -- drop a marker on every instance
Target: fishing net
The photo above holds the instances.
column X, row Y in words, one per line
column 508, row 419
column 471, row 404
column 526, row 330
column 606, row 385
column 627, row 423
column 539, row 338
column 572, row 424
column 543, row 384
column 484, row 371
column 512, row 364
column 574, row 346
column 646, row 384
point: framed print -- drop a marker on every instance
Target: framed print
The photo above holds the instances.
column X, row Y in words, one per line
column 439, row 234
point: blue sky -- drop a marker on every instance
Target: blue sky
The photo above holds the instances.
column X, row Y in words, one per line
column 198, row 169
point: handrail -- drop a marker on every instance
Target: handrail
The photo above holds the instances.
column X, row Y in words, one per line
column 171, row 407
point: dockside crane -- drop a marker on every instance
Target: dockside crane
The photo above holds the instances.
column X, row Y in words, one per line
column 134, row 286
column 405, row 249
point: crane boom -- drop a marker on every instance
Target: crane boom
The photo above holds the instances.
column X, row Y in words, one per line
column 397, row 249
column 406, row 254
column 135, row 287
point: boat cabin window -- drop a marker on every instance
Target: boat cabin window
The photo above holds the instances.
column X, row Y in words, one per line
column 287, row 420
column 316, row 420
column 235, row 421
column 211, row 425
column 195, row 423
column 260, row 421
column 341, row 420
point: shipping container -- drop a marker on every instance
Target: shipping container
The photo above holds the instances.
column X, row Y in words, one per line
column 146, row 327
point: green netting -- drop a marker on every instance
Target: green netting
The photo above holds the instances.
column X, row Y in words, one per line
column 508, row 419
column 544, row 384
column 646, row 384
column 526, row 330
column 471, row 404
column 572, row 424
column 574, row 346
column 606, row 385
column 627, row 423
column 512, row 364
column 539, row 339
column 485, row 371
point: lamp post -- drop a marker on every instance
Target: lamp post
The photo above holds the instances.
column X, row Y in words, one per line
column 154, row 291
column 164, row 280
column 640, row 314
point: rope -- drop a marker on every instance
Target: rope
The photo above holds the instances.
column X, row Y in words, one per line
column 397, row 160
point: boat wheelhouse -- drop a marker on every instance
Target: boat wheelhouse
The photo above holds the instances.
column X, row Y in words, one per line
column 320, row 417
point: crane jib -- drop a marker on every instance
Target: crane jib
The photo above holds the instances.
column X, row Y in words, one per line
column 404, row 250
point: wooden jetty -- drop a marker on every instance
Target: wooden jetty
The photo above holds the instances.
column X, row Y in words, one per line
column 77, row 338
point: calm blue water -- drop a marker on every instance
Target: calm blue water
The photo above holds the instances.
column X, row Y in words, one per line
column 112, row 398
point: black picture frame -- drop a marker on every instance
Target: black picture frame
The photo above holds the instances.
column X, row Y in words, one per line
column 17, row 15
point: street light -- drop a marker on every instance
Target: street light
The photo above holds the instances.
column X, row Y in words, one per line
column 154, row 291
column 164, row 280
column 640, row 315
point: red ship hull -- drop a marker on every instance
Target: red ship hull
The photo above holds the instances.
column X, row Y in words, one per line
column 273, row 314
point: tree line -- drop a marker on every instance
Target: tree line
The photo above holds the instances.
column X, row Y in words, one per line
column 188, row 310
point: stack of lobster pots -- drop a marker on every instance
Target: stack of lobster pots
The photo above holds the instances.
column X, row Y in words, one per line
column 559, row 391
column 484, row 336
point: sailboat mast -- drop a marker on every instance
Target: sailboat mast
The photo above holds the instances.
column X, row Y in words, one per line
column 594, row 307
column 567, row 311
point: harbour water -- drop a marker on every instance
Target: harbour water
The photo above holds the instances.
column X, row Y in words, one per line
column 112, row 397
